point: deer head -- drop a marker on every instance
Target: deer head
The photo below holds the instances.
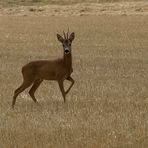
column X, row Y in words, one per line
column 66, row 41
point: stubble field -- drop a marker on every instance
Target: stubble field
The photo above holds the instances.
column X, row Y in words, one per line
column 108, row 105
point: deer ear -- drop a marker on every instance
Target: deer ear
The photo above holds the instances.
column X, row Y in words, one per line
column 60, row 38
column 72, row 36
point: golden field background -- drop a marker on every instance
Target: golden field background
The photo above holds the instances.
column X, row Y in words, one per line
column 8, row 3
column 108, row 105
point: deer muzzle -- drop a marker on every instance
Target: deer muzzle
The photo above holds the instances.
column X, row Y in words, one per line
column 66, row 50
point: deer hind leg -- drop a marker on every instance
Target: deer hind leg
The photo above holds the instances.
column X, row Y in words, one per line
column 62, row 89
column 34, row 88
column 19, row 90
column 72, row 83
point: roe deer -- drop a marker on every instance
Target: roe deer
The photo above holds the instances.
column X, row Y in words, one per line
column 37, row 71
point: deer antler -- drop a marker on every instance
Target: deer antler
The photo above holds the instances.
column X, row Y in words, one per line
column 68, row 34
column 64, row 34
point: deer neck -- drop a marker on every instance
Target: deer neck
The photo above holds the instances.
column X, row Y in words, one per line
column 68, row 61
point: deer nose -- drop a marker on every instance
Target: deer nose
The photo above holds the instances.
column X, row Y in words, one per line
column 66, row 51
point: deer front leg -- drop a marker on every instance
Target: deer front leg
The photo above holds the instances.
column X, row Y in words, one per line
column 60, row 82
column 72, row 83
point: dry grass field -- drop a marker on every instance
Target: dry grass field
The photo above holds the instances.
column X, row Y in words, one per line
column 13, row 3
column 108, row 105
